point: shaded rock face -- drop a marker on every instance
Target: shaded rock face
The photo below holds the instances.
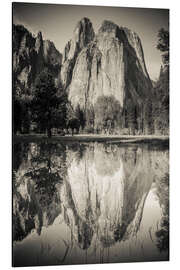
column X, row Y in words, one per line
column 39, row 49
column 30, row 56
column 83, row 35
column 51, row 54
column 111, row 64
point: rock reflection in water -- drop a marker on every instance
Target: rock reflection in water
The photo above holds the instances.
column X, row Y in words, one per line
column 89, row 203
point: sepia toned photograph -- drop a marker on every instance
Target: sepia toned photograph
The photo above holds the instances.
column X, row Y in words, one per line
column 90, row 124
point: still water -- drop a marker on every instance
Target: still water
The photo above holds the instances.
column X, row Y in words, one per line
column 90, row 203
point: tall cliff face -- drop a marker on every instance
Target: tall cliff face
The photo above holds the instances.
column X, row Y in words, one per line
column 30, row 56
column 111, row 64
column 83, row 35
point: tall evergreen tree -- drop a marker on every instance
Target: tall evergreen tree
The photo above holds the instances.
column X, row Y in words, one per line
column 80, row 115
column 163, row 45
column 48, row 106
column 161, row 89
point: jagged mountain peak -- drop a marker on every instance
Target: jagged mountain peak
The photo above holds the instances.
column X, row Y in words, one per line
column 31, row 54
column 39, row 42
column 108, row 26
column 21, row 36
column 83, row 32
column 39, row 35
column 83, row 21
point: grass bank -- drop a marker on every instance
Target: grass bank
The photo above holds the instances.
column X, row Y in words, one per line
column 95, row 138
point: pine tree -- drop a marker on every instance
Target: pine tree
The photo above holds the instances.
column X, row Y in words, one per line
column 80, row 115
column 48, row 106
column 163, row 45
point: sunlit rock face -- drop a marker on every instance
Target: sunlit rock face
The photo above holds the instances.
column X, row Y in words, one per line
column 111, row 64
column 83, row 35
column 30, row 56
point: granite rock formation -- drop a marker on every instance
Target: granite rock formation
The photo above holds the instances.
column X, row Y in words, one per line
column 112, row 63
column 82, row 36
column 30, row 56
column 108, row 64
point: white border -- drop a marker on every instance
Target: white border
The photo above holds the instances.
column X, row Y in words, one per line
column 5, row 139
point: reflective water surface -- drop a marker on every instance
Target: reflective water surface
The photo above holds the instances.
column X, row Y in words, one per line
column 90, row 203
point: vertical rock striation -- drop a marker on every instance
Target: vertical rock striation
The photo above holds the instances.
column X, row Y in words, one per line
column 82, row 36
column 30, row 56
column 111, row 64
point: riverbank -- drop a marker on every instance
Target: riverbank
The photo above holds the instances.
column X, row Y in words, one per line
column 95, row 138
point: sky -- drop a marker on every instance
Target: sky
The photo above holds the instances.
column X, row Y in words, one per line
column 57, row 22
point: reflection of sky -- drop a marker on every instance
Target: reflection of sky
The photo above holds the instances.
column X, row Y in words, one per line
column 152, row 210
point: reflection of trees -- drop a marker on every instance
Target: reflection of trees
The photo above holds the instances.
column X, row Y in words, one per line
column 35, row 193
column 19, row 154
column 45, row 184
column 163, row 233
column 160, row 167
column 107, row 159
column 74, row 150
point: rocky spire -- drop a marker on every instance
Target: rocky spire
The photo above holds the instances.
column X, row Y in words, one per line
column 39, row 49
column 83, row 34
column 39, row 42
